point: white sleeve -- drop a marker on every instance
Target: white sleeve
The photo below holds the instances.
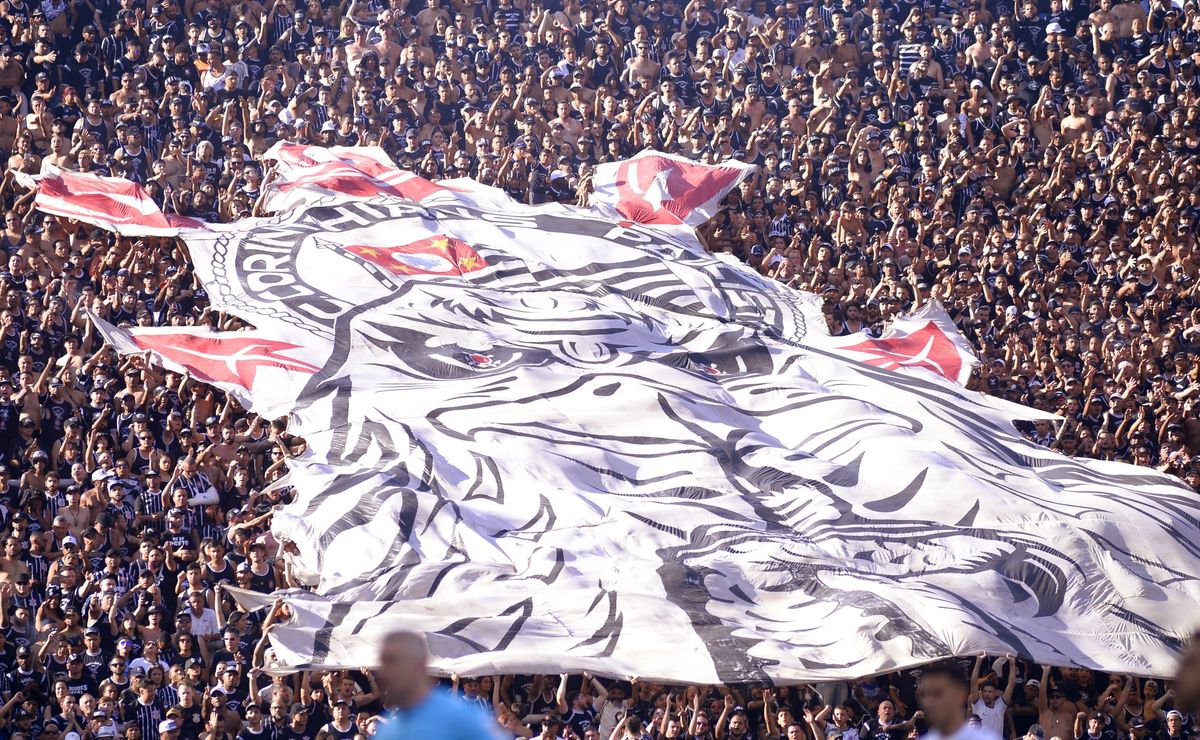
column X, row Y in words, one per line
column 204, row 498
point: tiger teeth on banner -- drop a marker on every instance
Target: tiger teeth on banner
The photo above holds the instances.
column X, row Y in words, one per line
column 561, row 438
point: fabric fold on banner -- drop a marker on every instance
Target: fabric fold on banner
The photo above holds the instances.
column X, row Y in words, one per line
column 305, row 174
column 556, row 438
column 664, row 189
column 112, row 203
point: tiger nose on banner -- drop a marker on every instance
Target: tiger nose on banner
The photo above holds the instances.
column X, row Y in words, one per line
column 433, row 255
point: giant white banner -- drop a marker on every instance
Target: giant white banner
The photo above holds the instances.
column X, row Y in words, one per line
column 554, row 439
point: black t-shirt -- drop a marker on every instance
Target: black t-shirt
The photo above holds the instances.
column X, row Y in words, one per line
column 872, row 730
column 193, row 720
column 77, row 687
column 581, row 721
column 82, row 74
column 264, row 732
column 234, row 697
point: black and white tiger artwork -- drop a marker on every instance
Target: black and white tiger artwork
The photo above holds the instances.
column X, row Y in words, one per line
column 553, row 441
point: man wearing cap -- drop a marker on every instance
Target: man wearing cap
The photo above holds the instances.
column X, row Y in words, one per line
column 228, row 686
column 253, row 726
column 294, row 725
column 78, row 681
column 1139, row 728
column 168, row 729
column 1055, row 714
column 1093, row 726
column 175, row 539
column 75, row 515
column 1177, row 727
column 93, row 653
column 342, row 725
column 102, row 726
column 25, row 672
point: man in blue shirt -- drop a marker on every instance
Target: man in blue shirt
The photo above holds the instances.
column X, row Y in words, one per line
column 419, row 711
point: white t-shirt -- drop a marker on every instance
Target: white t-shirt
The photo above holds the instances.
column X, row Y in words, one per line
column 966, row 732
column 205, row 624
column 992, row 717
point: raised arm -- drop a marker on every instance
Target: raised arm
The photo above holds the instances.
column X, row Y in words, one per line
column 1011, row 686
column 561, row 696
column 601, row 689
column 769, row 713
column 816, row 723
column 725, row 710
column 1043, row 689
column 974, row 695
column 695, row 710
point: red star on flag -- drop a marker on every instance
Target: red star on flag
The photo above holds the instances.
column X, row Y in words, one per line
column 433, row 255
column 927, row 347
column 223, row 358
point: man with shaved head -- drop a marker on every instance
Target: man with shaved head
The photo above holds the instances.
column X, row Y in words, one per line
column 418, row 710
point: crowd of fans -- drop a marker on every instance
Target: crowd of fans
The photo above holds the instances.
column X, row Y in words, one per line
column 1034, row 167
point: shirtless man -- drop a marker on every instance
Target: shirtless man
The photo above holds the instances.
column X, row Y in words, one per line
column 1075, row 124
column 427, row 18
column 38, row 122
column 1056, row 715
column 1102, row 15
column 1120, row 16
column 11, row 564
column 980, row 53
column 809, row 49
column 564, row 126
column 12, row 76
column 846, row 55
column 8, row 124
column 640, row 63
column 389, row 47
column 59, row 155
column 356, row 49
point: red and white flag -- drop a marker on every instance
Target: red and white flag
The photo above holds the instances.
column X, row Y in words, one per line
column 924, row 341
column 259, row 368
column 664, row 189
column 112, row 203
